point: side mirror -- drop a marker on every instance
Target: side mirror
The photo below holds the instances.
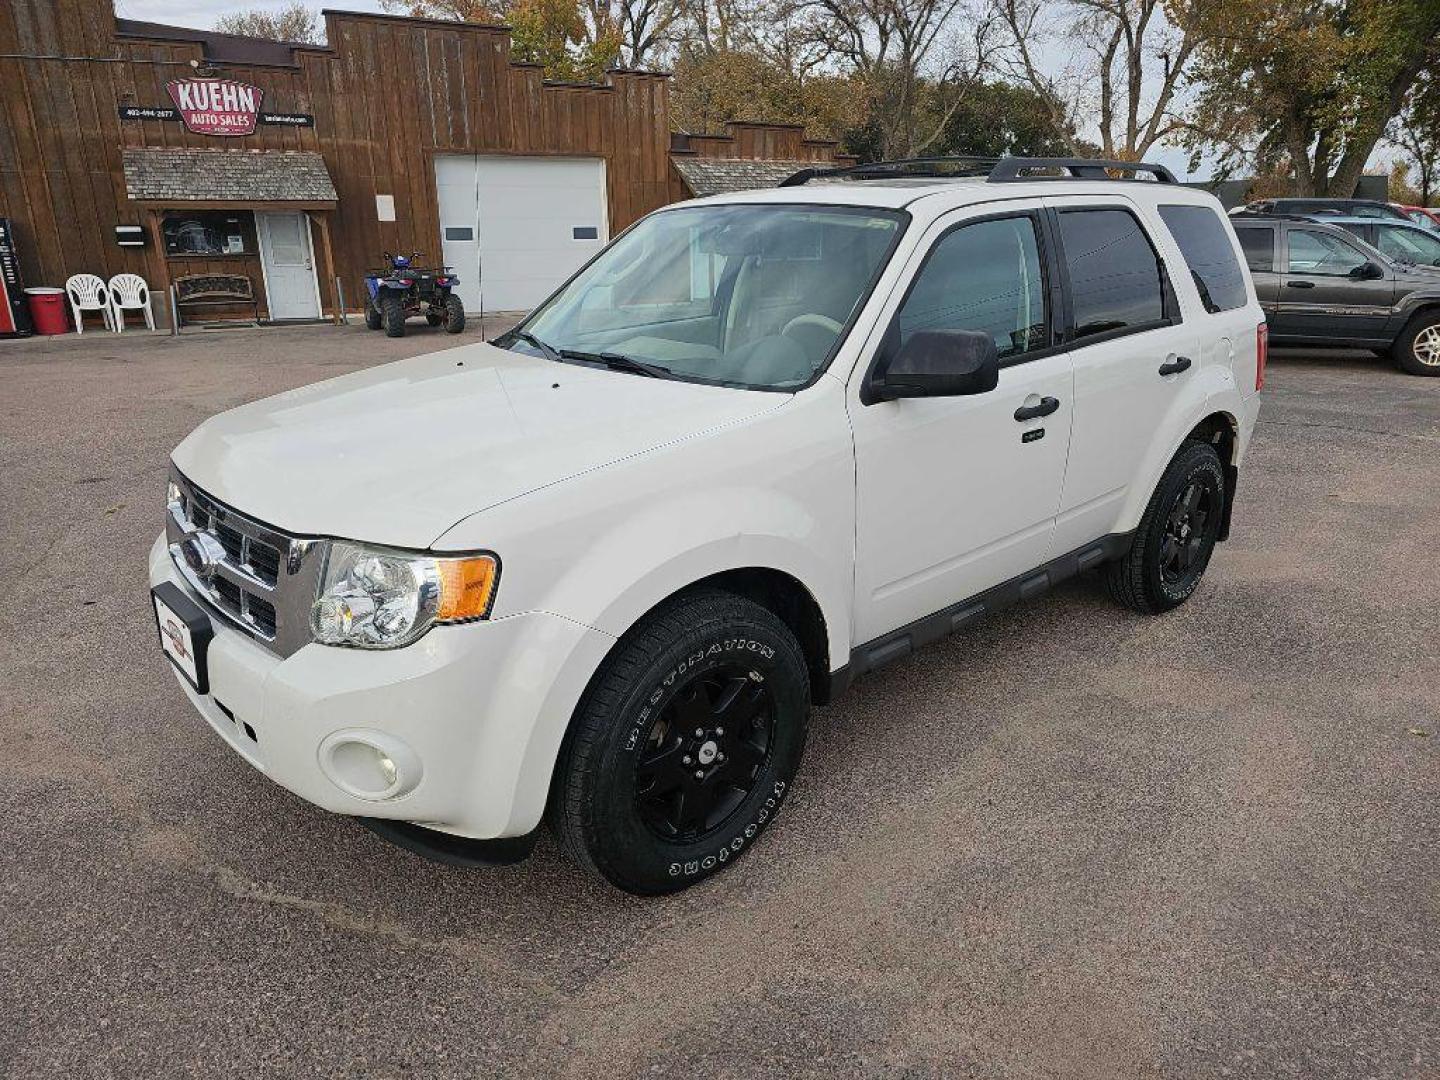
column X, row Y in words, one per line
column 937, row 363
column 1368, row 271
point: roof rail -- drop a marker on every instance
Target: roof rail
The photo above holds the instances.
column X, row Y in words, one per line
column 1017, row 169
column 962, row 165
column 995, row 170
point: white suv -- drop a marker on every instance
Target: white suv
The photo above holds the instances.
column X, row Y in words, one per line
column 599, row 569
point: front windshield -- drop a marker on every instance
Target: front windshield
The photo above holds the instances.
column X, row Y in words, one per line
column 754, row 296
column 1410, row 245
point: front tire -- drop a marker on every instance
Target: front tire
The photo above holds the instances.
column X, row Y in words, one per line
column 373, row 318
column 1417, row 351
column 684, row 746
column 392, row 308
column 1177, row 534
column 454, row 314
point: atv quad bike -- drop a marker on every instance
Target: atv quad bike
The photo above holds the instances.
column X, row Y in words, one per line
column 403, row 289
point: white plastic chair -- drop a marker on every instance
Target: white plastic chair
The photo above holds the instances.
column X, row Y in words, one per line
column 128, row 292
column 88, row 293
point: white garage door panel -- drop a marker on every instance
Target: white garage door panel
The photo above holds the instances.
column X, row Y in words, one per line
column 522, row 213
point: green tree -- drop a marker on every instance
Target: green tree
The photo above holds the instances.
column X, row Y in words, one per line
column 1308, row 86
column 295, row 23
column 571, row 39
column 999, row 118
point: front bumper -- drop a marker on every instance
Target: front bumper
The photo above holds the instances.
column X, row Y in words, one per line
column 482, row 707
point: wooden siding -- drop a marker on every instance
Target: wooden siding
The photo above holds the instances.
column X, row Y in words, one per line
column 387, row 95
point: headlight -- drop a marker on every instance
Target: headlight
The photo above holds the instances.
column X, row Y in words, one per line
column 373, row 598
column 172, row 494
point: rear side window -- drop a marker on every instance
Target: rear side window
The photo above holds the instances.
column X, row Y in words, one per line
column 1409, row 245
column 1259, row 248
column 1208, row 252
column 985, row 276
column 1115, row 279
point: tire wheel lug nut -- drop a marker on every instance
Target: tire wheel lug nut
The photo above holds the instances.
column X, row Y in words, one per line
column 685, row 760
column 699, row 774
column 699, row 733
column 719, row 757
column 719, row 731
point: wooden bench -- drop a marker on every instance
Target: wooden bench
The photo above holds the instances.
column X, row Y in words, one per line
column 214, row 290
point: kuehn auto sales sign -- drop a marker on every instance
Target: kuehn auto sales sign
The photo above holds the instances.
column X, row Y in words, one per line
column 216, row 106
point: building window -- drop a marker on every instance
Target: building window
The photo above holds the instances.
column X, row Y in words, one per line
column 209, row 232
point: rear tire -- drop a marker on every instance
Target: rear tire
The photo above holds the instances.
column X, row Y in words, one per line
column 454, row 314
column 709, row 684
column 373, row 318
column 393, row 309
column 1417, row 350
column 1177, row 534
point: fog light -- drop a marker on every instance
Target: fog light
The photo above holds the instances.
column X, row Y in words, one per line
column 370, row 764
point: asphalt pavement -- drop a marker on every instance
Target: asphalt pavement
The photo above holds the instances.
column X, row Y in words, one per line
column 1071, row 842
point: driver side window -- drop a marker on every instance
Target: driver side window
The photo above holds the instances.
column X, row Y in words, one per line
column 985, row 276
column 1320, row 253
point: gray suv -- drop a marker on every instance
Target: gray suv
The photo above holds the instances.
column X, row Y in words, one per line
column 1322, row 286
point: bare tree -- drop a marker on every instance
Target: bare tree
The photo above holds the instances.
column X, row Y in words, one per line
column 295, row 23
column 912, row 55
column 1128, row 60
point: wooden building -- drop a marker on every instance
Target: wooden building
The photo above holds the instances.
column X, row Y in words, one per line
column 291, row 166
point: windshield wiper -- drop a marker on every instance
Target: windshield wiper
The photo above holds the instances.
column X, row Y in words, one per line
column 548, row 351
column 618, row 362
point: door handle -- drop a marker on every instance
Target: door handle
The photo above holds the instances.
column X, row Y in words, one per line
column 1174, row 367
column 1300, row 284
column 1030, row 412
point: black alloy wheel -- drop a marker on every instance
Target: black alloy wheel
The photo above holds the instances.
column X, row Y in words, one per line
column 1186, row 532
column 704, row 753
column 684, row 747
column 1177, row 534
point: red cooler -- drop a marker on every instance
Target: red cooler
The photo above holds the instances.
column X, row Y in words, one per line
column 47, row 310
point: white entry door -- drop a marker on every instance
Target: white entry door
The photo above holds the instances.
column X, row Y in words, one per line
column 289, row 263
column 514, row 228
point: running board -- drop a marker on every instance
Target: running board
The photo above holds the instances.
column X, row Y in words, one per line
column 902, row 642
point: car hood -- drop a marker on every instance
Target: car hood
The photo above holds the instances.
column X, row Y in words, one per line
column 398, row 454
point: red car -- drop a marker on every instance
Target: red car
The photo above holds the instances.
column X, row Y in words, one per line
column 1423, row 215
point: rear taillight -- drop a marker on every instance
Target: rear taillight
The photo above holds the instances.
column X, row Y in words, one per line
column 1262, row 353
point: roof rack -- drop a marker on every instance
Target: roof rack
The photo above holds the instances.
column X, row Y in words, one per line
column 1019, row 170
column 889, row 170
column 1004, row 170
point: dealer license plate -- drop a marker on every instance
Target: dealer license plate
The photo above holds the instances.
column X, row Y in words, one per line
column 185, row 633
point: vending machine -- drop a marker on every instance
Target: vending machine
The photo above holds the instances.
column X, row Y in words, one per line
column 14, row 315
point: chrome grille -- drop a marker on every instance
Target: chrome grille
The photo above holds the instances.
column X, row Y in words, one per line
column 266, row 580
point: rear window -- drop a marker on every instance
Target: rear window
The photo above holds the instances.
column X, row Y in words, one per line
column 1259, row 247
column 1115, row 281
column 1211, row 257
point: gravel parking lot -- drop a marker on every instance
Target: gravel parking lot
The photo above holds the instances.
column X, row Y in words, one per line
column 1071, row 842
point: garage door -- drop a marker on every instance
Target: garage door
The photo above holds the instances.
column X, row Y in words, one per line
column 514, row 228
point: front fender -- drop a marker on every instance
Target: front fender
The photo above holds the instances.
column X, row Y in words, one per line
column 605, row 547
column 1412, row 302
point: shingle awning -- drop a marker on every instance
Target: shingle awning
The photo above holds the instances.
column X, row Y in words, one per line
column 715, row 176
column 204, row 175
